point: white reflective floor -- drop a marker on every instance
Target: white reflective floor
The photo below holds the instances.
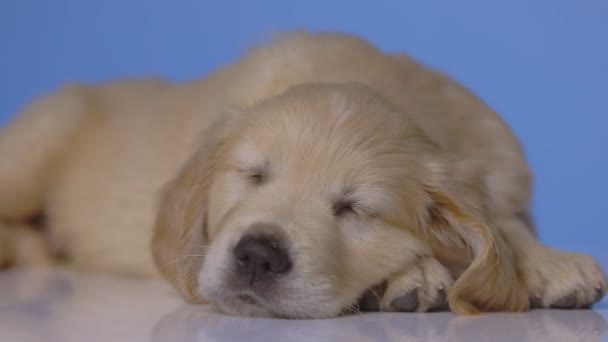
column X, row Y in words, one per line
column 61, row 306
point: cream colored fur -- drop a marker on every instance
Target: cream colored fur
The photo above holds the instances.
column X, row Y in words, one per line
column 440, row 183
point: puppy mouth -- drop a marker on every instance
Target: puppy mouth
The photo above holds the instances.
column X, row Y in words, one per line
column 248, row 299
column 247, row 304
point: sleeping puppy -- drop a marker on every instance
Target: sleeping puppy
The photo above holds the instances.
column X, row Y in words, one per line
column 314, row 175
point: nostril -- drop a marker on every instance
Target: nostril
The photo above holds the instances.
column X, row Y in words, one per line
column 280, row 268
column 261, row 257
column 242, row 261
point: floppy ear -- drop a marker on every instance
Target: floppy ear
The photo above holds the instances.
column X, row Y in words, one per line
column 179, row 234
column 179, row 242
column 491, row 282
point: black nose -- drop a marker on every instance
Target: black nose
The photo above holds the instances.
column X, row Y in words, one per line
column 261, row 258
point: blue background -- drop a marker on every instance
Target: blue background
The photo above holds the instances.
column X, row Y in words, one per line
column 543, row 64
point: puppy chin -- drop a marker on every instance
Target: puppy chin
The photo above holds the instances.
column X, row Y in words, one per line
column 237, row 307
column 244, row 303
column 292, row 304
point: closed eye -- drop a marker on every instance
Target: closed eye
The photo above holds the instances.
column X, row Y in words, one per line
column 344, row 208
column 253, row 176
column 256, row 178
column 353, row 208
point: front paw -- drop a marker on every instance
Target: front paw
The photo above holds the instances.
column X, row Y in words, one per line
column 563, row 280
column 421, row 287
column 5, row 247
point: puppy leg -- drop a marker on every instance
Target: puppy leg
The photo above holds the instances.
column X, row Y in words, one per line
column 22, row 245
column 32, row 146
column 555, row 279
column 420, row 287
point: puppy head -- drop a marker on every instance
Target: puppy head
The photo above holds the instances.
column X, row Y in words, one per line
column 294, row 207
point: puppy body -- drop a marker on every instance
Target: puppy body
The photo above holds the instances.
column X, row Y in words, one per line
column 94, row 160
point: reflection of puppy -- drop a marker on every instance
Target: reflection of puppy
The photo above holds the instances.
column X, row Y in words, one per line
column 65, row 306
column 189, row 323
column 325, row 167
column 538, row 325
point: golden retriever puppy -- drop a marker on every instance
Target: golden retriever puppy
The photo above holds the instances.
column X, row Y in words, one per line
column 315, row 174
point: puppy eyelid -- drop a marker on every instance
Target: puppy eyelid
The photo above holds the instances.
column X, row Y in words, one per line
column 257, row 179
column 343, row 208
column 346, row 207
column 255, row 176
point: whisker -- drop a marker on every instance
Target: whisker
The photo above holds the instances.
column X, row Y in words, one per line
column 377, row 296
column 184, row 257
column 190, row 274
column 355, row 308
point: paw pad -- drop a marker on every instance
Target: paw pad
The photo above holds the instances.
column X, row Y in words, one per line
column 407, row 303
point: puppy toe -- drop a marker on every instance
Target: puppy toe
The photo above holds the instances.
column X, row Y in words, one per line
column 420, row 288
column 566, row 302
column 536, row 301
column 441, row 302
column 600, row 291
column 406, row 303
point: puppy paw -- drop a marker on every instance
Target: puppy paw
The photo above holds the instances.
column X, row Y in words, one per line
column 21, row 245
column 563, row 280
column 5, row 254
column 420, row 288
